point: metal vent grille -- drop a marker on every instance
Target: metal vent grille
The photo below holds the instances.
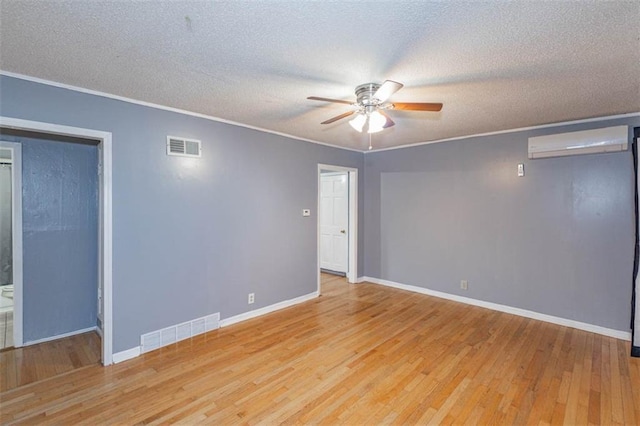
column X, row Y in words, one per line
column 175, row 333
column 183, row 147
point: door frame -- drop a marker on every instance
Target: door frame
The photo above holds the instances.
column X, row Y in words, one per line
column 352, row 232
column 16, row 235
column 105, row 220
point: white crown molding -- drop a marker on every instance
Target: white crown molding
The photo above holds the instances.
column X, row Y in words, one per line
column 618, row 334
column 164, row 108
column 520, row 129
column 286, row 135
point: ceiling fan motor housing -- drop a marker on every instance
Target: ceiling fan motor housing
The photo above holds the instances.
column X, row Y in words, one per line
column 365, row 93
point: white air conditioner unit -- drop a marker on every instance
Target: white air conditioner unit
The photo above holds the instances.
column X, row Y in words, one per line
column 608, row 139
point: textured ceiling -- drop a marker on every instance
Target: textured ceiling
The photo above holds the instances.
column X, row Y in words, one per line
column 495, row 66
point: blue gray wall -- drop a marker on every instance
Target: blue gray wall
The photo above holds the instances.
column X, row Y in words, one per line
column 60, row 236
column 194, row 236
column 558, row 241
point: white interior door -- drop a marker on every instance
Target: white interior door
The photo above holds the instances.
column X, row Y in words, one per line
column 334, row 221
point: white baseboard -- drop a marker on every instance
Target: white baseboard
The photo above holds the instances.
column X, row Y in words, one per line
column 125, row 355
column 59, row 336
column 361, row 279
column 137, row 351
column 267, row 309
column 618, row 334
column 99, row 331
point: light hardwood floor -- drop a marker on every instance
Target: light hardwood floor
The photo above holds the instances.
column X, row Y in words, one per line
column 31, row 364
column 359, row 354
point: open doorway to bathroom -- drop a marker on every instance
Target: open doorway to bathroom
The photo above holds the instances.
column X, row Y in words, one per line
column 59, row 233
column 6, row 247
column 105, row 244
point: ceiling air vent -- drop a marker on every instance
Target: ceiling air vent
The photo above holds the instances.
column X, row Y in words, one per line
column 183, row 147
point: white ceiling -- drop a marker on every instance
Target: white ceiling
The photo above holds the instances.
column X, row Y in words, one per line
column 495, row 66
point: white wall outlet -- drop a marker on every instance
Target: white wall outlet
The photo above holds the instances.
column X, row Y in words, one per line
column 252, row 298
column 520, row 170
column 306, row 212
column 464, row 284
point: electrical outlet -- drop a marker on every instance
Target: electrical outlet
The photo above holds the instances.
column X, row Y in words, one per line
column 252, row 298
column 464, row 284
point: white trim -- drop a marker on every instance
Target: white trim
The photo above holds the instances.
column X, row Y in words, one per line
column 164, row 108
column 618, row 334
column 137, row 351
column 520, row 129
column 60, row 336
column 286, row 135
column 106, row 220
column 326, row 174
column 637, row 307
column 267, row 309
column 352, row 271
column 16, row 236
column 361, row 280
column 126, row 355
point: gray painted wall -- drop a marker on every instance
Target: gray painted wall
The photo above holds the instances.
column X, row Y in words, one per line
column 195, row 236
column 558, row 241
column 60, row 236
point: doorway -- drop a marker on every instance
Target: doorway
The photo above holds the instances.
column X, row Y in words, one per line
column 104, row 226
column 337, row 221
column 10, row 241
column 334, row 222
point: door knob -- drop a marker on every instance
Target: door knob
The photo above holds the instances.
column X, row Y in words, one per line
column 343, row 231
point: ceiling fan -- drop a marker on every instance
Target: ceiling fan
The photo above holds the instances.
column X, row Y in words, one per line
column 371, row 104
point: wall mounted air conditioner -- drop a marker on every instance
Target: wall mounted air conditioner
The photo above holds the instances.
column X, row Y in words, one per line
column 608, row 139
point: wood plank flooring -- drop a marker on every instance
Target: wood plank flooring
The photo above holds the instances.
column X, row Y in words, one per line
column 359, row 354
column 29, row 364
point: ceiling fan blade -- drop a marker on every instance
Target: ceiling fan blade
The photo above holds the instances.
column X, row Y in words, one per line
column 389, row 122
column 338, row 101
column 387, row 89
column 338, row 117
column 420, row 106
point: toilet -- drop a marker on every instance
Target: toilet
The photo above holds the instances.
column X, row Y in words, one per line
column 7, row 291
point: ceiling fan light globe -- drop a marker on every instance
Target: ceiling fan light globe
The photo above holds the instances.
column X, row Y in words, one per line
column 376, row 122
column 358, row 122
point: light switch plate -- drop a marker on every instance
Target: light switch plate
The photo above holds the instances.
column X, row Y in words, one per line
column 520, row 170
column 306, row 212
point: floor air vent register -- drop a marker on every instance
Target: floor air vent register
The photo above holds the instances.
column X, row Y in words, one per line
column 175, row 333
